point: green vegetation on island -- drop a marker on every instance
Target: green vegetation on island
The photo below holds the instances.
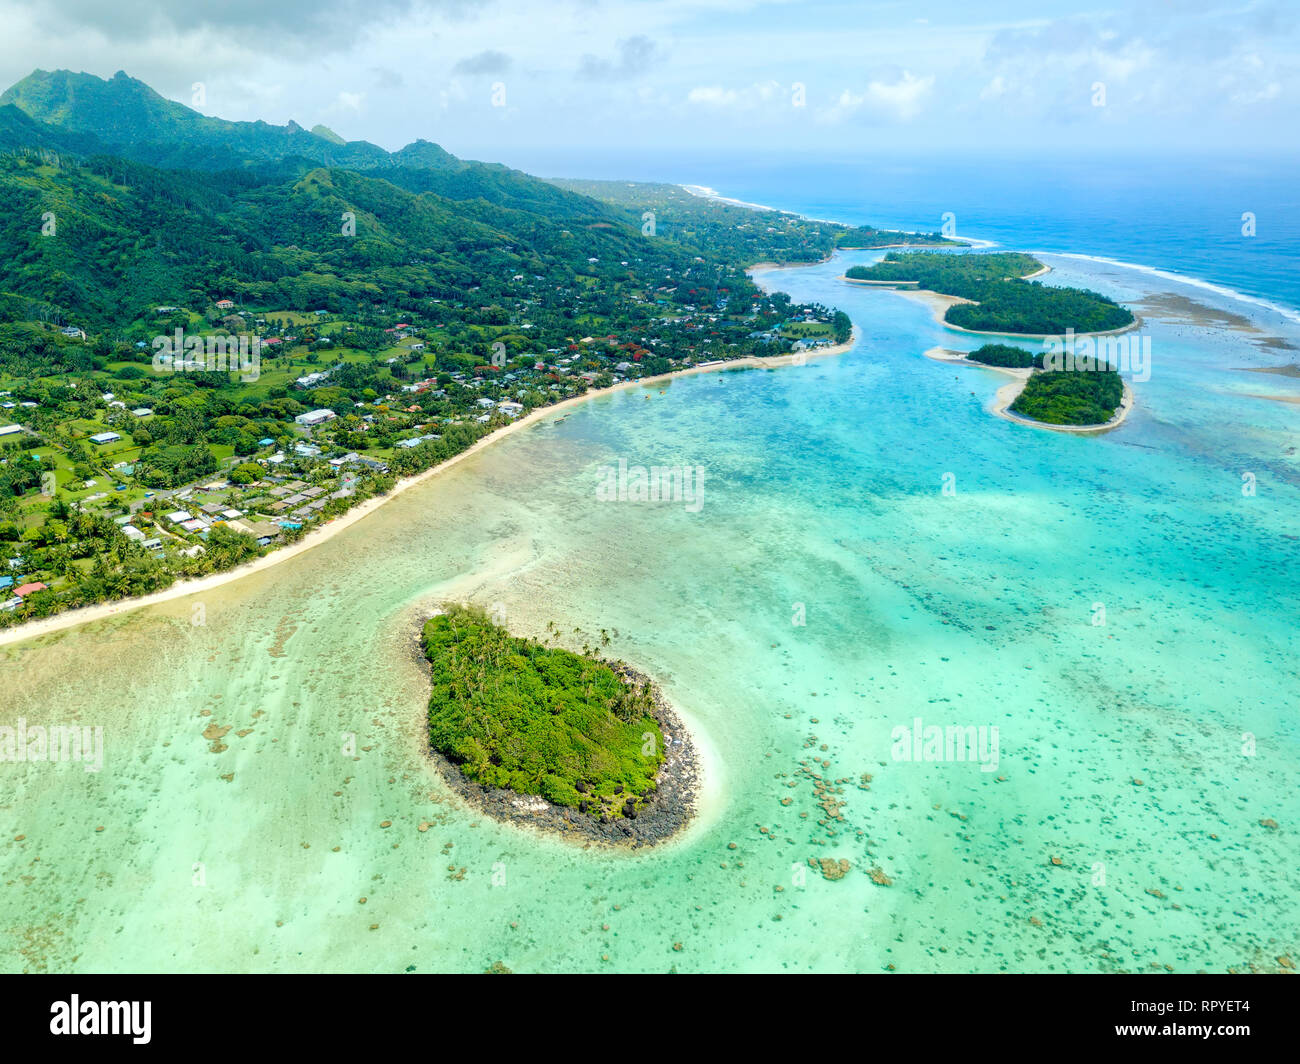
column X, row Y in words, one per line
column 1070, row 397
column 1006, row 356
column 539, row 720
column 868, row 236
column 966, row 276
column 1001, row 300
column 841, row 327
column 1039, row 309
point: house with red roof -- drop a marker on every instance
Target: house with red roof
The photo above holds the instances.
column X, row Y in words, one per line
column 27, row 589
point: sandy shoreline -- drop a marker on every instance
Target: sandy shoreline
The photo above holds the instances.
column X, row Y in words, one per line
column 72, row 618
column 1009, row 392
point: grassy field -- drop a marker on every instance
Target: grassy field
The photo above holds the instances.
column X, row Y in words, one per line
column 804, row 330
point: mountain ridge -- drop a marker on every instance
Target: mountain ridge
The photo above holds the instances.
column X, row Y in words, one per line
column 125, row 116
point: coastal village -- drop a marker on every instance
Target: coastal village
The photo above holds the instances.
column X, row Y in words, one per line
column 333, row 411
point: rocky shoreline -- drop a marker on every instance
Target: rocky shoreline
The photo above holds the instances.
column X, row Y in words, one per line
column 668, row 809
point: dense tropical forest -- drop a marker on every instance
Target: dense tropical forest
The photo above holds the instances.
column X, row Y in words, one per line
column 1038, row 309
column 1006, row 356
column 965, row 276
column 1070, row 397
column 1001, row 300
column 537, row 719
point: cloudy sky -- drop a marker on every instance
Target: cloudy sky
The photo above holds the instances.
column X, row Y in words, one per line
column 514, row 79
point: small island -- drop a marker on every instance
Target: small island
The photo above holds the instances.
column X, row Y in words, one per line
column 1071, row 397
column 1064, row 400
column 539, row 734
column 992, row 293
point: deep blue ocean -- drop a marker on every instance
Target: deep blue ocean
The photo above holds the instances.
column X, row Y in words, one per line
column 1176, row 214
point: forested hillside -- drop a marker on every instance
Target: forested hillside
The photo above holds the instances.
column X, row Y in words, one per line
column 390, row 309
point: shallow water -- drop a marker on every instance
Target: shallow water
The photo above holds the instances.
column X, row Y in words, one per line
column 823, row 488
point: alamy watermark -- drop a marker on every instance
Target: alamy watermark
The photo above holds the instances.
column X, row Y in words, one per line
column 179, row 353
column 71, row 743
column 1128, row 353
column 77, row 1017
column 955, row 742
column 675, row 483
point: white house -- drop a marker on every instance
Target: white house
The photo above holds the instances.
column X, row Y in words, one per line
column 315, row 417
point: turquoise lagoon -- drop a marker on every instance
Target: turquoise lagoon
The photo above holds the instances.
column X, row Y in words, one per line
column 1124, row 747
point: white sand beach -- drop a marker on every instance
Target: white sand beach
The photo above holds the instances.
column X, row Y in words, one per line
column 1008, row 394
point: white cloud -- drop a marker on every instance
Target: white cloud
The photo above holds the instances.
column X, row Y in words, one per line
column 902, row 97
column 748, row 98
column 1271, row 91
column 713, row 95
column 664, row 70
column 1114, row 67
column 900, row 100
